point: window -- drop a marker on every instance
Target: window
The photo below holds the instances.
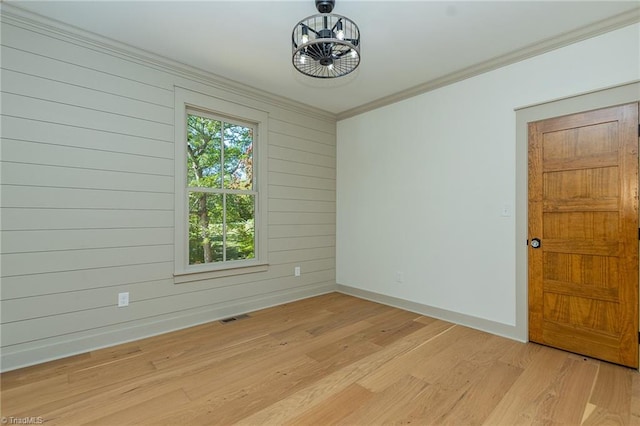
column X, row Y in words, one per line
column 221, row 191
column 219, row 203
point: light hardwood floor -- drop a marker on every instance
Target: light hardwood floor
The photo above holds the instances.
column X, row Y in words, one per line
column 332, row 359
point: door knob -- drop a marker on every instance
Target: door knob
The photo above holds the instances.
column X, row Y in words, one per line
column 535, row 243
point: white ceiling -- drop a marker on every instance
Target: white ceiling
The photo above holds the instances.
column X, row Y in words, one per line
column 404, row 43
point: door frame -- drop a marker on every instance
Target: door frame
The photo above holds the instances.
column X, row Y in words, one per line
column 617, row 95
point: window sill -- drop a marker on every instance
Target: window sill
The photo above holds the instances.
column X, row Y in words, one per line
column 190, row 276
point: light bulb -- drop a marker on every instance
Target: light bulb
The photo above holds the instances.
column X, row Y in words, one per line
column 303, row 58
column 305, row 38
column 330, row 66
column 354, row 54
column 340, row 32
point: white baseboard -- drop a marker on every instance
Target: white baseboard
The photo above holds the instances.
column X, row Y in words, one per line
column 62, row 348
column 504, row 330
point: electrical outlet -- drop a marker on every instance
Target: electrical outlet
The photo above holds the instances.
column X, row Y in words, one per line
column 123, row 299
column 296, row 271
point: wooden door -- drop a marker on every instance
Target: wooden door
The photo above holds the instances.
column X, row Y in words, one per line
column 583, row 209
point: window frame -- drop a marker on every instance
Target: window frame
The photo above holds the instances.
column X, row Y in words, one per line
column 187, row 101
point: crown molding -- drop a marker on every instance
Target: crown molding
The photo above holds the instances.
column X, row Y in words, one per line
column 613, row 23
column 17, row 16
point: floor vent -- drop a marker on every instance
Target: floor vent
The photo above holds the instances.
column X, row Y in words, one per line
column 232, row 319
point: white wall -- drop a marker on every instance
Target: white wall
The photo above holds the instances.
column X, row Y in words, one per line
column 87, row 197
column 422, row 183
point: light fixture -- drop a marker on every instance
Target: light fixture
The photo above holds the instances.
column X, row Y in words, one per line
column 326, row 45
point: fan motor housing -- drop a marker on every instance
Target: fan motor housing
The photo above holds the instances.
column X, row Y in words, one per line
column 325, row 6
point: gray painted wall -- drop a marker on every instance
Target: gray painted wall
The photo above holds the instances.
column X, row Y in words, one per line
column 87, row 197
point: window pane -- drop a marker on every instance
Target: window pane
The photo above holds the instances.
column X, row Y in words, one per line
column 204, row 159
column 240, row 227
column 238, row 157
column 205, row 228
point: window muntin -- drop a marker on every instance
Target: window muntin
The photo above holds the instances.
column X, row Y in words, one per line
column 221, row 189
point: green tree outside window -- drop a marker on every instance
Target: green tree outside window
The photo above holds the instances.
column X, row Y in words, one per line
column 221, row 190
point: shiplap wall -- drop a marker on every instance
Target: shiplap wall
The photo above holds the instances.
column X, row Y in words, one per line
column 87, row 197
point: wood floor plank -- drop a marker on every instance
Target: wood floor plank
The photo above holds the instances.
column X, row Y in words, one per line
column 334, row 409
column 77, row 395
column 82, row 408
column 114, row 370
column 388, row 405
column 519, row 354
column 520, row 402
column 439, row 359
column 208, row 349
column 324, row 388
column 27, row 398
column 439, row 335
column 392, row 332
column 330, row 359
column 612, row 398
column 445, row 394
column 535, row 396
column 635, row 399
column 394, row 316
column 576, row 378
column 37, row 373
column 483, row 395
column 242, row 396
column 361, row 313
column 490, row 347
column 140, row 413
